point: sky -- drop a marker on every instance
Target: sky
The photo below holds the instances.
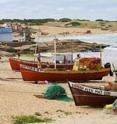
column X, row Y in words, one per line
column 75, row 9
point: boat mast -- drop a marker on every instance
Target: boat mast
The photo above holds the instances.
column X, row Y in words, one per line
column 55, row 40
column 71, row 52
column 24, row 36
column 37, row 40
column 35, row 52
column 101, row 55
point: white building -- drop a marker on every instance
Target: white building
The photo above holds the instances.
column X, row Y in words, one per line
column 110, row 55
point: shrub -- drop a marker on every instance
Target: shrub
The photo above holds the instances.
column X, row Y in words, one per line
column 73, row 24
column 64, row 20
column 99, row 20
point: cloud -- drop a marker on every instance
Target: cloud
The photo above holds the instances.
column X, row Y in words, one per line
column 86, row 9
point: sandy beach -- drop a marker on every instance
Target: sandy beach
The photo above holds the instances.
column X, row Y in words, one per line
column 80, row 38
column 18, row 98
column 53, row 30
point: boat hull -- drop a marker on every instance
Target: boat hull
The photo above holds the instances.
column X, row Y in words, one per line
column 85, row 98
column 35, row 75
column 15, row 64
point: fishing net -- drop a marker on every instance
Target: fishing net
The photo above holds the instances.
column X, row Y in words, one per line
column 56, row 92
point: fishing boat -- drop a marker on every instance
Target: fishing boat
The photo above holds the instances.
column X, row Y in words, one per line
column 35, row 74
column 84, row 69
column 15, row 64
column 91, row 96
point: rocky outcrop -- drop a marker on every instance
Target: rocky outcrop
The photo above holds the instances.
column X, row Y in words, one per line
column 61, row 46
column 70, row 45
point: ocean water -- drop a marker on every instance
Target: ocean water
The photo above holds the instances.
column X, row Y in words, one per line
column 110, row 39
column 6, row 37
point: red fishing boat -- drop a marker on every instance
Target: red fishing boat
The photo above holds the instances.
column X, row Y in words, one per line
column 15, row 64
column 91, row 96
column 33, row 74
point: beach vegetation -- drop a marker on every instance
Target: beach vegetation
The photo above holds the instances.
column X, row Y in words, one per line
column 65, row 112
column 38, row 114
column 74, row 24
column 59, row 110
column 104, row 28
column 109, row 25
column 46, row 112
column 30, row 21
column 99, row 20
column 102, row 23
column 86, row 20
column 30, row 119
column 65, row 20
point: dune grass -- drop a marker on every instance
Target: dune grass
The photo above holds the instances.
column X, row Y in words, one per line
column 37, row 118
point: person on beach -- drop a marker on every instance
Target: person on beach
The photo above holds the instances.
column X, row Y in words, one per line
column 18, row 53
column 76, row 63
column 77, row 58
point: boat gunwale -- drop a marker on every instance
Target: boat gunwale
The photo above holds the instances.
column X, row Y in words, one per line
column 64, row 71
column 88, row 90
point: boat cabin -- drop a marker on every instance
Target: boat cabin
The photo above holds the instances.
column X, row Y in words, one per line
column 59, row 58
